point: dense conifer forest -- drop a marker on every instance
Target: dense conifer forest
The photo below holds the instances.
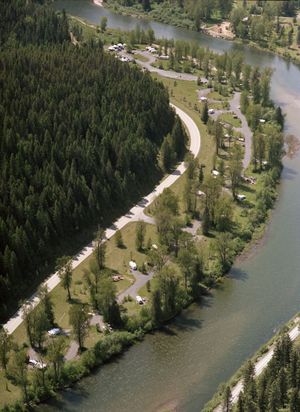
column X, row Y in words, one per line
column 79, row 135
column 277, row 389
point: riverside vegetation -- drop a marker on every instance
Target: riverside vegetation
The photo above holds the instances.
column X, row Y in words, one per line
column 185, row 264
column 270, row 25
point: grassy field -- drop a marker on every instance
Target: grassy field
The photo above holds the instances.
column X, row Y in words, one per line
column 141, row 57
column 229, row 118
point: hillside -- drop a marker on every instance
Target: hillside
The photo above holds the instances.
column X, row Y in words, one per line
column 80, row 134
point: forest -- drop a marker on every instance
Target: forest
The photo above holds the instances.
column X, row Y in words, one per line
column 79, row 133
column 277, row 389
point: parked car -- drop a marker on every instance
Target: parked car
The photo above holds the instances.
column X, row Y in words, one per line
column 132, row 265
column 32, row 362
column 139, row 300
column 54, row 332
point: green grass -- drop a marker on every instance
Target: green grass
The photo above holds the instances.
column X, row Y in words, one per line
column 116, row 259
column 228, row 118
column 8, row 392
column 141, row 57
column 216, row 96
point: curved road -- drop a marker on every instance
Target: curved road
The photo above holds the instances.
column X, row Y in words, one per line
column 164, row 73
column 136, row 213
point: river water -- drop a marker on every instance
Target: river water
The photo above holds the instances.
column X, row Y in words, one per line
column 183, row 365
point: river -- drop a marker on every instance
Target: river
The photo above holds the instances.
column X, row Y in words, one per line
column 183, row 365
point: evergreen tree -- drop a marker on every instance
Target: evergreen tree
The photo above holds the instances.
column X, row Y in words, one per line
column 156, row 312
column 119, row 239
column 204, row 113
column 5, row 347
column 140, row 235
column 64, row 265
column 79, row 321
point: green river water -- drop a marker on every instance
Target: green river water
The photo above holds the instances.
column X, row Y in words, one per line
column 182, row 366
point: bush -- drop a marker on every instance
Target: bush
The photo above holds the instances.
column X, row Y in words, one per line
column 73, row 371
column 112, row 345
column 88, row 359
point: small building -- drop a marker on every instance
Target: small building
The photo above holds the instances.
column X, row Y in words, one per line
column 215, row 173
column 241, row 198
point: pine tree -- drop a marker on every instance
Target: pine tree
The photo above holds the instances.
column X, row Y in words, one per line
column 204, row 113
column 156, row 311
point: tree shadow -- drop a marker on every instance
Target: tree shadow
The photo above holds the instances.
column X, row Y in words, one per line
column 288, row 173
column 237, row 274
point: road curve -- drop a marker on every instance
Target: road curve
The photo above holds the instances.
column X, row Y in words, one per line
column 135, row 213
column 170, row 74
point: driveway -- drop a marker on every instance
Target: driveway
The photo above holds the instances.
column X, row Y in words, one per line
column 140, row 281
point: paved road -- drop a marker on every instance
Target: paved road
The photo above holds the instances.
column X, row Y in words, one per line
column 134, row 214
column 140, row 281
column 72, row 352
column 244, row 129
column 164, row 73
column 260, row 365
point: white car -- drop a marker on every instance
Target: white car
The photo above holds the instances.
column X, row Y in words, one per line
column 33, row 362
column 132, row 265
column 139, row 300
column 54, row 332
column 37, row 364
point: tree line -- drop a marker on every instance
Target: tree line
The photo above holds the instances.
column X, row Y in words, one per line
column 276, row 389
column 80, row 137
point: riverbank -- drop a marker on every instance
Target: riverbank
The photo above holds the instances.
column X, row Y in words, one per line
column 177, row 18
column 181, row 103
column 260, row 361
